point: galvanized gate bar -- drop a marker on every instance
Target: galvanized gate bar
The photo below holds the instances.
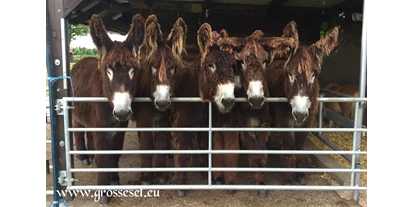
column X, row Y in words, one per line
column 277, row 152
column 196, row 99
column 194, row 129
column 210, row 143
column 214, row 187
column 224, row 169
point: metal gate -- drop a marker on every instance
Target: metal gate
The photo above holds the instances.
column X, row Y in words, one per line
column 62, row 171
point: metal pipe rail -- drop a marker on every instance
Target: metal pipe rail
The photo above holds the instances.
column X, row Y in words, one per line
column 279, row 152
column 66, row 107
column 215, row 187
column 224, row 169
column 197, row 99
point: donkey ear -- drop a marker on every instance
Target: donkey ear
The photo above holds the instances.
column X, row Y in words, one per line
column 224, row 33
column 99, row 35
column 153, row 34
column 325, row 45
column 135, row 34
column 177, row 37
column 283, row 46
column 204, row 39
column 231, row 44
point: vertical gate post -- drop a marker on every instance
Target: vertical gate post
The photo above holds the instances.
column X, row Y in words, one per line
column 58, row 67
column 359, row 109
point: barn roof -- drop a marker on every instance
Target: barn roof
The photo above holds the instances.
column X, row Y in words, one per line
column 117, row 14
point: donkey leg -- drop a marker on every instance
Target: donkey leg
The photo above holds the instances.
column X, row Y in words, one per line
column 218, row 159
column 101, row 142
column 202, row 142
column 79, row 138
column 288, row 160
column 90, row 144
column 161, row 141
column 300, row 138
column 262, row 139
column 231, row 142
column 182, row 141
column 117, row 144
column 257, row 141
column 146, row 143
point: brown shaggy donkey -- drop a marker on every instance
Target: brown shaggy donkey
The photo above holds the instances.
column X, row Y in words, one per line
column 112, row 75
column 296, row 78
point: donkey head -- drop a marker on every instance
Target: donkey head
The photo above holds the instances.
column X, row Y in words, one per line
column 252, row 57
column 118, row 63
column 301, row 70
column 216, row 70
column 162, row 58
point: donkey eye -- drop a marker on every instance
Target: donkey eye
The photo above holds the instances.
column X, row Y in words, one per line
column 154, row 70
column 291, row 79
column 131, row 73
column 211, row 67
column 110, row 73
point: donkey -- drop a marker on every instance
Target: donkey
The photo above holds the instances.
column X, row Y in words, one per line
column 211, row 77
column 162, row 57
column 253, row 85
column 296, row 78
column 112, row 75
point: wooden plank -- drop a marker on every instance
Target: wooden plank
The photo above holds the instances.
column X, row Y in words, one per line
column 70, row 6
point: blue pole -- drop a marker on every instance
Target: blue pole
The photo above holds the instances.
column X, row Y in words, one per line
column 49, row 63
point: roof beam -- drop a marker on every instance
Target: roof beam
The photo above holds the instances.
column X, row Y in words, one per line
column 69, row 6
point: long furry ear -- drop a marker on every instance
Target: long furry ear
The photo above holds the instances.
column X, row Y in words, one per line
column 256, row 35
column 136, row 34
column 177, row 38
column 153, row 35
column 284, row 46
column 224, row 33
column 231, row 44
column 204, row 40
column 100, row 36
column 291, row 31
column 324, row 46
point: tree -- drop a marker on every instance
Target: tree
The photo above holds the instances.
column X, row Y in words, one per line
column 76, row 31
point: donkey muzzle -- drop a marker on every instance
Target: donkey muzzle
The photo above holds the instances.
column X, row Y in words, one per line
column 256, row 102
column 122, row 114
column 162, row 104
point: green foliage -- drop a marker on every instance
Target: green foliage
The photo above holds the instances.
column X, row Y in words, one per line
column 81, row 52
column 77, row 31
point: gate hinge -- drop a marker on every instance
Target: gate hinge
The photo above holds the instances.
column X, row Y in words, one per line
column 59, row 107
column 63, row 179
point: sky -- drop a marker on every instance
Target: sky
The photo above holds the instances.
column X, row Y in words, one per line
column 86, row 41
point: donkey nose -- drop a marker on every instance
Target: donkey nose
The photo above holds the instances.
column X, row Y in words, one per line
column 228, row 102
column 256, row 102
column 300, row 116
column 162, row 104
column 122, row 114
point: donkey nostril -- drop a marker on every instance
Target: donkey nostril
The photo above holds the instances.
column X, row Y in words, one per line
column 122, row 115
column 162, row 105
column 228, row 102
column 256, row 102
column 300, row 116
